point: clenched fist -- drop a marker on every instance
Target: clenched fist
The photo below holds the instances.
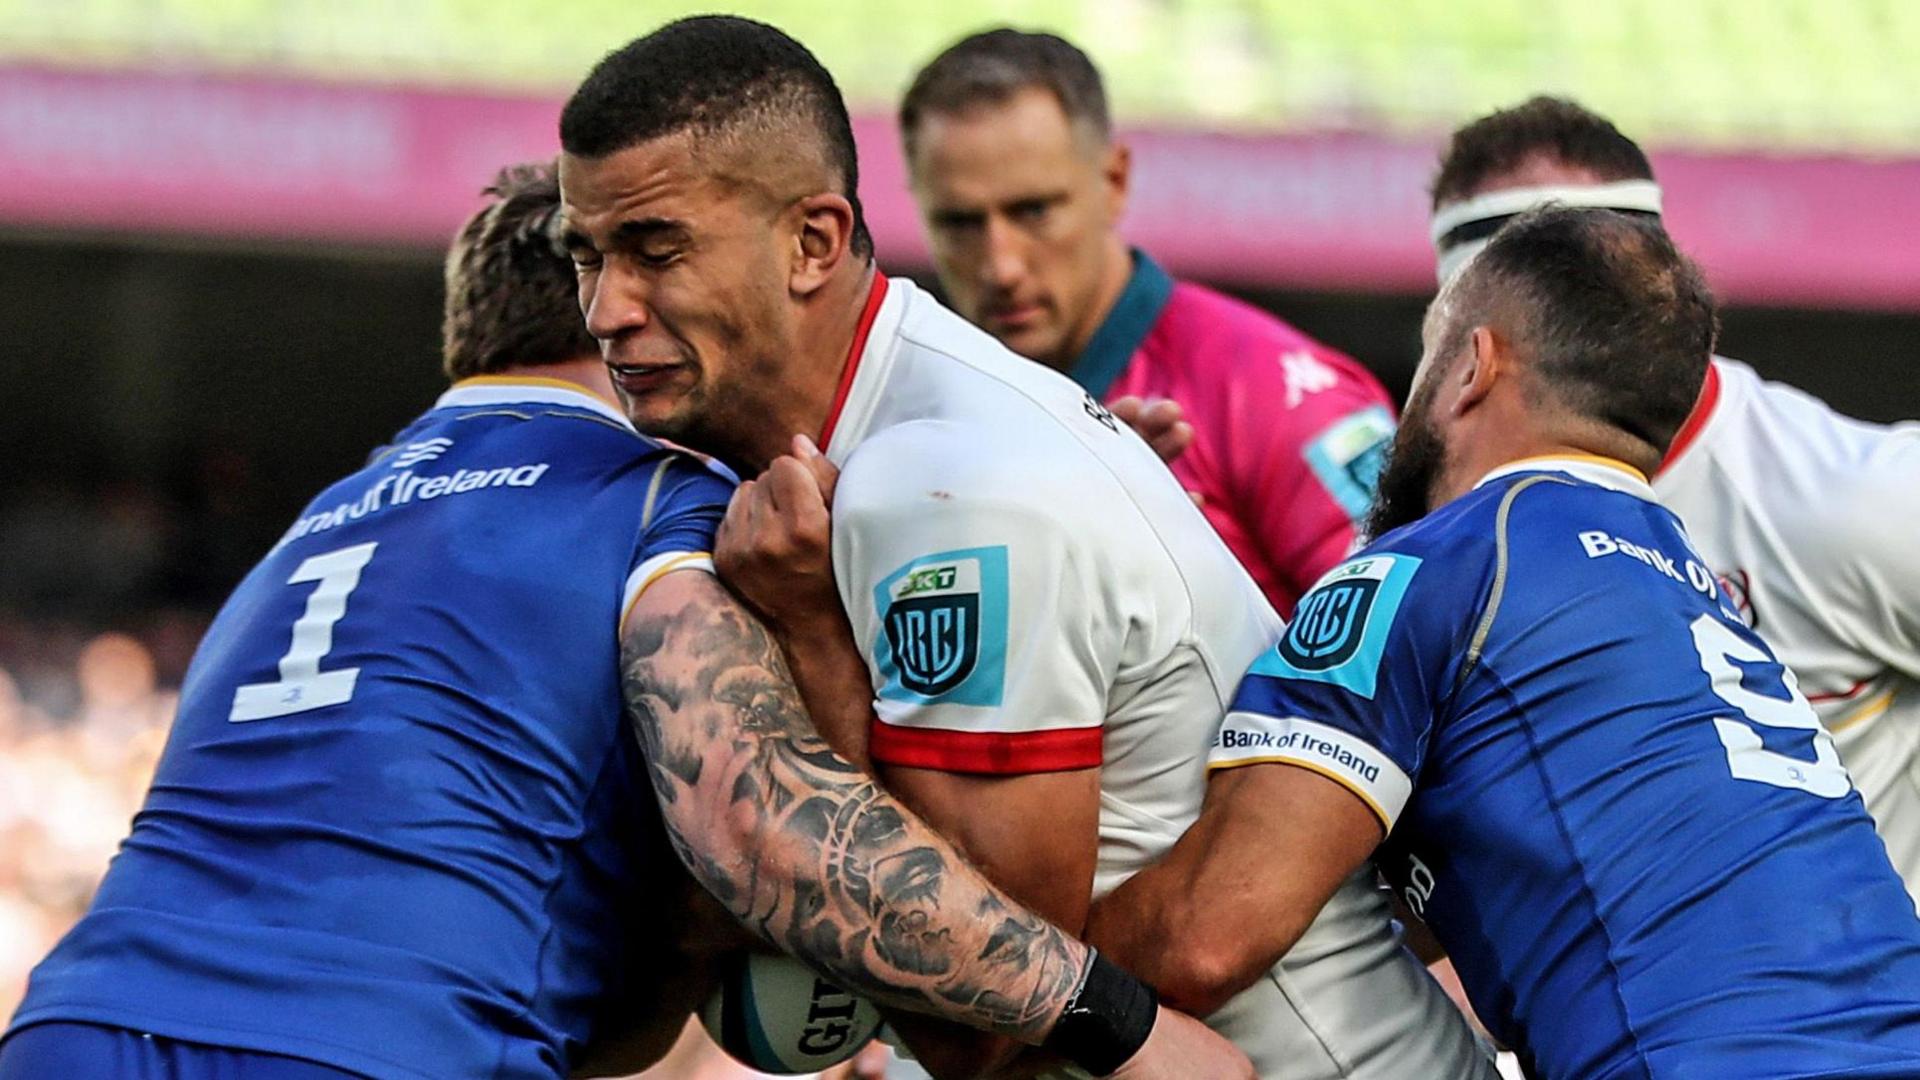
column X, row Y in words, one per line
column 774, row 546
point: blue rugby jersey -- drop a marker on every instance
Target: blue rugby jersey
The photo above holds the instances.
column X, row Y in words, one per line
column 399, row 817
column 1610, row 802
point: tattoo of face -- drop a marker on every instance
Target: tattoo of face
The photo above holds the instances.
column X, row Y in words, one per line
column 803, row 846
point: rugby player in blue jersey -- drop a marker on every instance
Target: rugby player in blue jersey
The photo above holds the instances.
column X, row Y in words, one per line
column 402, row 828
column 1610, row 803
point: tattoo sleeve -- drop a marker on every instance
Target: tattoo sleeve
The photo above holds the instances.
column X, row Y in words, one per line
column 804, row 847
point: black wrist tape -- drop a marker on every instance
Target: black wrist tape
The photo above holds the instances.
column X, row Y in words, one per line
column 1107, row 1020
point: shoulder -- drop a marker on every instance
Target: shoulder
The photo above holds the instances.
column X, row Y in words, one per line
column 675, row 478
column 942, row 469
column 1859, row 522
column 1833, row 487
column 1455, row 530
column 1526, row 511
column 1448, row 553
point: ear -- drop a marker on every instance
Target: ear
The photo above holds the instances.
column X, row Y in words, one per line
column 1488, row 358
column 1118, row 171
column 824, row 238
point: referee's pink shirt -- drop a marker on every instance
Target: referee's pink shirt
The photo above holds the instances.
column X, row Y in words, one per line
column 1289, row 435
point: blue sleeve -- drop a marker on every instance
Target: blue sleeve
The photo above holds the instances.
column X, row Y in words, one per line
column 685, row 501
column 1352, row 688
column 683, row 510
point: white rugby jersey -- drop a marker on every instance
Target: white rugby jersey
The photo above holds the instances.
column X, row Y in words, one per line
column 1033, row 591
column 1812, row 521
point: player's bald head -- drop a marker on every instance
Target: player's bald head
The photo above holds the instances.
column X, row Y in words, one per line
column 756, row 109
column 1613, row 325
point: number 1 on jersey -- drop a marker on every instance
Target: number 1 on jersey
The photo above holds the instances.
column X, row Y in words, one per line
column 302, row 684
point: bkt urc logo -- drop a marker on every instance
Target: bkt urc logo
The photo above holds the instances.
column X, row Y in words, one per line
column 933, row 626
column 1327, row 629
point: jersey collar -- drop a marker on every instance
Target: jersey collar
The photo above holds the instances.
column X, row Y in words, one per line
column 1605, row 472
column 527, row 390
column 1135, row 311
column 1703, row 410
column 876, row 296
column 869, row 366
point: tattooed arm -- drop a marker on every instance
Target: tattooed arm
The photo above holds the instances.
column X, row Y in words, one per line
column 804, row 847
column 773, row 550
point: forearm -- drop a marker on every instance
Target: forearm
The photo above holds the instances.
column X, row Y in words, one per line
column 1153, row 926
column 1239, row 888
column 1034, row 835
column 805, row 848
column 833, row 681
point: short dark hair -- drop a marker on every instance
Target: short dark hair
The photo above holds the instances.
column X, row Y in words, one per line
column 512, row 299
column 994, row 65
column 712, row 74
column 1541, row 126
column 1618, row 323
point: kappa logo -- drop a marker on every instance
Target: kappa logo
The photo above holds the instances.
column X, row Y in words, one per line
column 416, row 452
column 1306, row 374
column 943, row 621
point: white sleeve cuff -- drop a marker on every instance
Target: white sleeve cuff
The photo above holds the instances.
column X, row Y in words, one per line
column 653, row 570
column 1248, row 738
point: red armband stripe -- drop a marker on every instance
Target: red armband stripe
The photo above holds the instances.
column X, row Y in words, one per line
column 1002, row 753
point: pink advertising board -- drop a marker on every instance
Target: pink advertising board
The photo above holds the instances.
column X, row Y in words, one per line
column 165, row 153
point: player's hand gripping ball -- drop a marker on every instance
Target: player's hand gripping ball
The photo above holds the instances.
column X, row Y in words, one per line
column 773, row 1014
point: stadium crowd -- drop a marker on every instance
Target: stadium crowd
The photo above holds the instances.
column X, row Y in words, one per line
column 82, row 722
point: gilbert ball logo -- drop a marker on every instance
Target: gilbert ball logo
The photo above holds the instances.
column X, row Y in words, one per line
column 933, row 625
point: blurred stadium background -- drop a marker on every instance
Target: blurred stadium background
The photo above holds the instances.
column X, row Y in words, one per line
column 221, row 222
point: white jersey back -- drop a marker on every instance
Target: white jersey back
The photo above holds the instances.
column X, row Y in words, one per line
column 1812, row 521
column 1034, row 592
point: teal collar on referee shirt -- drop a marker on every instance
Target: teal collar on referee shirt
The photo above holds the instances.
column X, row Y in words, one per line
column 1127, row 325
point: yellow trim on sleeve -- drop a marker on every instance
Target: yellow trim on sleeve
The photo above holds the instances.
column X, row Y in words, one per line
column 1386, row 823
column 666, row 568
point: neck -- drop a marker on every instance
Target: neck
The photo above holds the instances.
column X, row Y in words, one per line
column 589, row 373
column 1481, row 453
column 1116, row 266
column 810, row 379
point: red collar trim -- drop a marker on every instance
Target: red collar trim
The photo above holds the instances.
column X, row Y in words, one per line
column 1697, row 419
column 872, row 311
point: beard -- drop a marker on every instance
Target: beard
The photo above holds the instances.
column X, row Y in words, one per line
column 1404, row 494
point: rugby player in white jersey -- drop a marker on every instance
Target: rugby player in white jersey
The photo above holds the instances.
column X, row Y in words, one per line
column 1810, row 518
column 1047, row 627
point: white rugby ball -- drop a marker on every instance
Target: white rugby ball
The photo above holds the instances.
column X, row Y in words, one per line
column 773, row 1014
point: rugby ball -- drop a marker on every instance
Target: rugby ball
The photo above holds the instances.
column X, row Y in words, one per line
column 773, row 1014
